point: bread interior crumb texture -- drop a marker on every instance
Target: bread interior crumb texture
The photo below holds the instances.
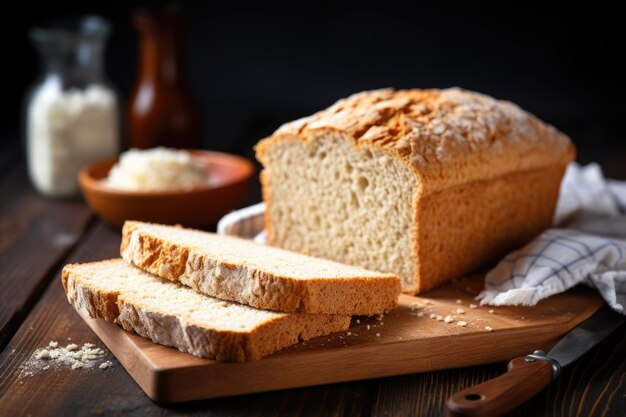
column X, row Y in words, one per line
column 351, row 202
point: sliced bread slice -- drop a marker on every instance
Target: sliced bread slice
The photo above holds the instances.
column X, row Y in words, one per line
column 174, row 315
column 239, row 270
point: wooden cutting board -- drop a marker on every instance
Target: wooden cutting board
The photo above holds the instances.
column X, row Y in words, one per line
column 401, row 343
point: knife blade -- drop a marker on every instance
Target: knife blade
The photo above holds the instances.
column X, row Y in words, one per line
column 585, row 336
column 526, row 376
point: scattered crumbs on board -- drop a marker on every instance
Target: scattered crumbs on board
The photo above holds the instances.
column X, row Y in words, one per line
column 415, row 306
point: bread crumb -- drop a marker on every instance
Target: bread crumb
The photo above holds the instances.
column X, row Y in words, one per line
column 358, row 321
column 415, row 306
column 489, row 328
column 43, row 354
column 428, row 302
column 433, row 316
column 473, row 306
column 491, row 311
column 459, row 302
column 460, row 311
column 449, row 319
column 348, row 334
column 369, row 327
column 380, row 317
column 377, row 334
column 105, row 365
column 461, row 323
column 72, row 356
column 420, row 314
column 439, row 318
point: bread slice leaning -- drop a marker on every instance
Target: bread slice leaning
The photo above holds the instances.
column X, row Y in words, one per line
column 239, row 270
column 174, row 315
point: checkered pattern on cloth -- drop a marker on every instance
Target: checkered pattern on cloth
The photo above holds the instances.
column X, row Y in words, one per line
column 589, row 246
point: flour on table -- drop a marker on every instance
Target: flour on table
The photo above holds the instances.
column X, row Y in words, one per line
column 71, row 356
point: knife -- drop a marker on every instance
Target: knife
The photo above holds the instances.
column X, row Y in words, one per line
column 526, row 376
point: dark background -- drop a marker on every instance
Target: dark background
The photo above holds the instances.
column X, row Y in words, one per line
column 255, row 65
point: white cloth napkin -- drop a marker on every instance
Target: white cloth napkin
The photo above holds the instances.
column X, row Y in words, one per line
column 587, row 245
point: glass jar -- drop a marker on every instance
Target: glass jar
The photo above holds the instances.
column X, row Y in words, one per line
column 72, row 112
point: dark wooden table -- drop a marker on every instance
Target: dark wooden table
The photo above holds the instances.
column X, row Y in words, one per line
column 38, row 236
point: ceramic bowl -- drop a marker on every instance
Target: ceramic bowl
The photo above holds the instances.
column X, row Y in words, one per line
column 200, row 207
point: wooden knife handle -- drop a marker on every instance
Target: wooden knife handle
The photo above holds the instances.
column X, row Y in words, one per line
column 500, row 395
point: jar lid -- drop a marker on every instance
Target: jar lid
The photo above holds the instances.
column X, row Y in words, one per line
column 71, row 29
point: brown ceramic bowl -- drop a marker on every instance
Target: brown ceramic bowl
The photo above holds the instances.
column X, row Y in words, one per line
column 230, row 176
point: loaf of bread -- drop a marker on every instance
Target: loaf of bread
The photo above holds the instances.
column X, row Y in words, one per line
column 173, row 315
column 240, row 270
column 426, row 184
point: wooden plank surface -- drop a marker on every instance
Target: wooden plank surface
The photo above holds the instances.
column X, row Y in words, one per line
column 593, row 386
column 399, row 344
column 36, row 233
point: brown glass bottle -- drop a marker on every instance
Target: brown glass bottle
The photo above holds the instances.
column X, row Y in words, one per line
column 161, row 108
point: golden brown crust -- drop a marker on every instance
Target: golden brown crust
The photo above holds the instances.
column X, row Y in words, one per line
column 191, row 337
column 449, row 136
column 267, row 290
column 473, row 225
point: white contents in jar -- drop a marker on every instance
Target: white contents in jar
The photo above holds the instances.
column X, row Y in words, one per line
column 66, row 131
column 157, row 169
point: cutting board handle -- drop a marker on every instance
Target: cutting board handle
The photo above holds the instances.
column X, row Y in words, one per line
column 500, row 395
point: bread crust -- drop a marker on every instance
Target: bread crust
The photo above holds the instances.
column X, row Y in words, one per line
column 449, row 137
column 187, row 336
column 269, row 290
